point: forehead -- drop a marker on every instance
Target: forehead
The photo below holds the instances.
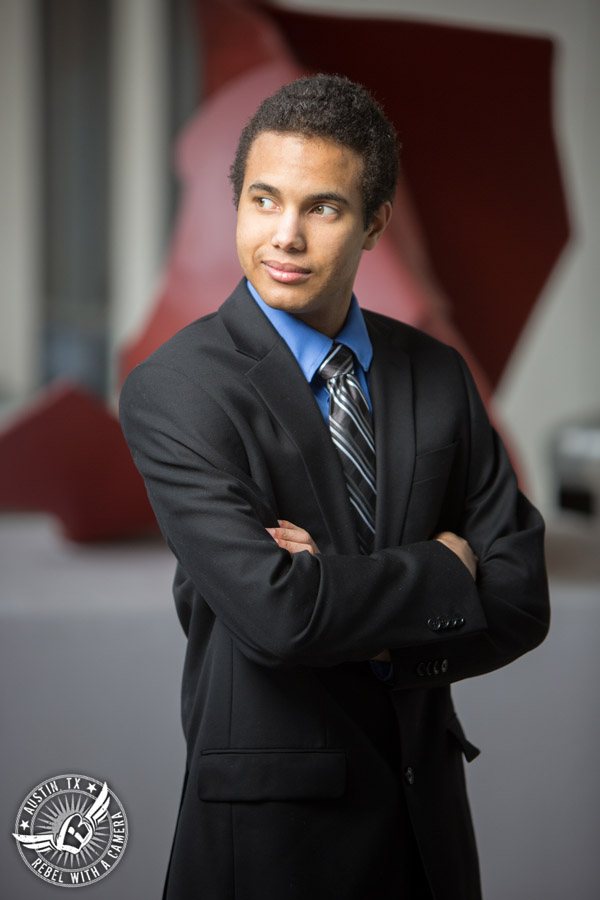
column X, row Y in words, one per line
column 294, row 160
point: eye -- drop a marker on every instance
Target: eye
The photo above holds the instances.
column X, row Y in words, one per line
column 323, row 210
column 265, row 203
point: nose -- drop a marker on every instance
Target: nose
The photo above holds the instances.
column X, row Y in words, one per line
column 289, row 234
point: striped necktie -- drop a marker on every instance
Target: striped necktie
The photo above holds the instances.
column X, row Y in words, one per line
column 352, row 433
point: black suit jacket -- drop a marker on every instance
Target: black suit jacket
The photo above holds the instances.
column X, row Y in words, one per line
column 307, row 776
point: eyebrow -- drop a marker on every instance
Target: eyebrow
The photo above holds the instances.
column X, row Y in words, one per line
column 262, row 187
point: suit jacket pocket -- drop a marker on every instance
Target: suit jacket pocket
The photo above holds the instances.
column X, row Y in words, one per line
column 251, row 775
column 430, row 479
column 434, row 464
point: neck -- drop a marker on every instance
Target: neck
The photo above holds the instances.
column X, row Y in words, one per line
column 325, row 322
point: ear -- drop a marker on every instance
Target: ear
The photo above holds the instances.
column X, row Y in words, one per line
column 378, row 225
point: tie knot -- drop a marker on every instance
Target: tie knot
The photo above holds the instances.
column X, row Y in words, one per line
column 339, row 361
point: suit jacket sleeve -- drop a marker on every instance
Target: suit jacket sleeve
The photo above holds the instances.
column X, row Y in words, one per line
column 507, row 534
column 323, row 610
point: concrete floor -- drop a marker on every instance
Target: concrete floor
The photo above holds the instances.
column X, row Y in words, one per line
column 90, row 662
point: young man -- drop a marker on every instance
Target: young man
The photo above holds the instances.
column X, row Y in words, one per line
column 349, row 534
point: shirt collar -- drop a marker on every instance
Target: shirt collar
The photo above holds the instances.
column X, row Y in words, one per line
column 310, row 347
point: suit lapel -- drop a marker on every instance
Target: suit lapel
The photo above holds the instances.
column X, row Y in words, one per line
column 390, row 384
column 280, row 383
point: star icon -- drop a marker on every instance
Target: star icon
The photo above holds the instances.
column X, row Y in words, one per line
column 24, row 825
column 92, row 787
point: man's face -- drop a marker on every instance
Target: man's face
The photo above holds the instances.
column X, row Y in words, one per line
column 300, row 226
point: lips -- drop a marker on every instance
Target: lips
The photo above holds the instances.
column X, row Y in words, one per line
column 285, row 273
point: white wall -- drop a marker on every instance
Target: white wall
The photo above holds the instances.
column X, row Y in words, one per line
column 554, row 374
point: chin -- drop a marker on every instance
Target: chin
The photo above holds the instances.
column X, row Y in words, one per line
column 294, row 309
column 286, row 301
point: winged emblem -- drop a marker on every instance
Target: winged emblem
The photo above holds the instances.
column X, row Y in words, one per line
column 74, row 833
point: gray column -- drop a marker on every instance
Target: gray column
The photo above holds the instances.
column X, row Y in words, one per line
column 140, row 166
column 19, row 198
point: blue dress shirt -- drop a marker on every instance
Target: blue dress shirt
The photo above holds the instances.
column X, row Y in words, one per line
column 310, row 347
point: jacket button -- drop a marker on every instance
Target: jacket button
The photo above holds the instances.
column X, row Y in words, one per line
column 409, row 775
column 444, row 665
column 421, row 669
column 436, row 667
column 434, row 624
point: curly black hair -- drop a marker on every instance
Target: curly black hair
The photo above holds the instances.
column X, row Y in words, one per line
column 334, row 108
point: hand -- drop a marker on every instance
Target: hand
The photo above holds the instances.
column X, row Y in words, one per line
column 292, row 538
column 462, row 549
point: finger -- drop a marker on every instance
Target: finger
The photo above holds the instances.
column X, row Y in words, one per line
column 293, row 546
column 289, row 536
column 293, row 533
column 284, row 525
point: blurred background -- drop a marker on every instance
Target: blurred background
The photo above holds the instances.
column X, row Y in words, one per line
column 98, row 99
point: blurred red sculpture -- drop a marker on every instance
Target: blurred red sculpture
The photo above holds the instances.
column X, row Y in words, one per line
column 479, row 219
column 64, row 455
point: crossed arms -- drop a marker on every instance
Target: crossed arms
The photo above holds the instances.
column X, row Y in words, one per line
column 284, row 607
column 294, row 539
